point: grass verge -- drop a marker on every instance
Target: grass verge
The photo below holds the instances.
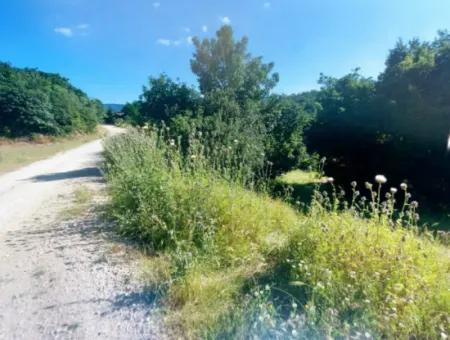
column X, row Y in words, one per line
column 17, row 153
column 235, row 263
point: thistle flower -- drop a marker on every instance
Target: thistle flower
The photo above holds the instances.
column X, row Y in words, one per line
column 403, row 186
column 380, row 179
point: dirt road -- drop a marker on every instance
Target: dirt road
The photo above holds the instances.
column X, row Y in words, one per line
column 66, row 278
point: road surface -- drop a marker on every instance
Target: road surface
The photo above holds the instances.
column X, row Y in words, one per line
column 66, row 279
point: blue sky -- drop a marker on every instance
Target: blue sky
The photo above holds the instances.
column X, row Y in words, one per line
column 108, row 48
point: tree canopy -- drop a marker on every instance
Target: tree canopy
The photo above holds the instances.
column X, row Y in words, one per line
column 32, row 101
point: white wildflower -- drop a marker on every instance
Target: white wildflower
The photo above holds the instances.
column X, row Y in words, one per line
column 380, row 179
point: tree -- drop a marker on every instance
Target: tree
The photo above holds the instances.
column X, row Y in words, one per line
column 164, row 98
column 221, row 64
column 32, row 101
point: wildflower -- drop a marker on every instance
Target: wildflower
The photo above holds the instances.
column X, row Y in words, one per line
column 368, row 185
column 294, row 305
column 380, row 179
column 235, row 141
column 330, row 180
column 393, row 191
column 193, row 156
column 408, row 195
column 172, row 142
column 404, row 186
column 323, row 160
column 388, row 195
column 353, row 184
column 414, row 204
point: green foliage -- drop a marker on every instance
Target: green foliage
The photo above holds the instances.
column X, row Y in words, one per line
column 164, row 99
column 234, row 108
column 36, row 102
column 243, row 264
column 397, row 123
column 221, row 64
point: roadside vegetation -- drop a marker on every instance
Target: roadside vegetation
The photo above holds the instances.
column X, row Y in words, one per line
column 35, row 102
column 234, row 262
column 243, row 244
column 15, row 153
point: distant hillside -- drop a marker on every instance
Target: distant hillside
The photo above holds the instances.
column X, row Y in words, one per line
column 33, row 101
column 114, row 107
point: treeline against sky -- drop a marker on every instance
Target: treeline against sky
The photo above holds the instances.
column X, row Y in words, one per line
column 35, row 102
column 397, row 124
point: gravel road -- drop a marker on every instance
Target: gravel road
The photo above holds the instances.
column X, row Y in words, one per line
column 66, row 278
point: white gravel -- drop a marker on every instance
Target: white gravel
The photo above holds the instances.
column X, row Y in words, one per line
column 66, row 279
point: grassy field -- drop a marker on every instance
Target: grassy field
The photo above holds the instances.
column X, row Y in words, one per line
column 234, row 263
column 17, row 153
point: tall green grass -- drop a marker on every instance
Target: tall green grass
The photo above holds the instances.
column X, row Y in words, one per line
column 236, row 263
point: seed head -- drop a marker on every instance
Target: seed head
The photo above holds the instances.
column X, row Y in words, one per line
column 380, row 179
column 368, row 185
column 414, row 204
column 330, row 180
column 353, row 184
column 393, row 191
column 403, row 186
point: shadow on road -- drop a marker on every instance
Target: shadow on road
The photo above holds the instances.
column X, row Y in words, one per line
column 59, row 176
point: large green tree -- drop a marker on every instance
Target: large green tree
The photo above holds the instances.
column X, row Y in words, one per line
column 223, row 64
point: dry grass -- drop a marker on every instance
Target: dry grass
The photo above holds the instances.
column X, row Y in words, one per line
column 17, row 153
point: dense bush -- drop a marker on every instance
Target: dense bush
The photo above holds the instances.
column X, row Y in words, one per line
column 36, row 102
column 398, row 124
column 241, row 264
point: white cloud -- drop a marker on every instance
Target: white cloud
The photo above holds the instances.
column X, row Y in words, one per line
column 65, row 31
column 225, row 20
column 267, row 5
column 189, row 40
column 176, row 43
column 186, row 29
column 165, row 42
column 156, row 5
column 205, row 28
column 83, row 26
